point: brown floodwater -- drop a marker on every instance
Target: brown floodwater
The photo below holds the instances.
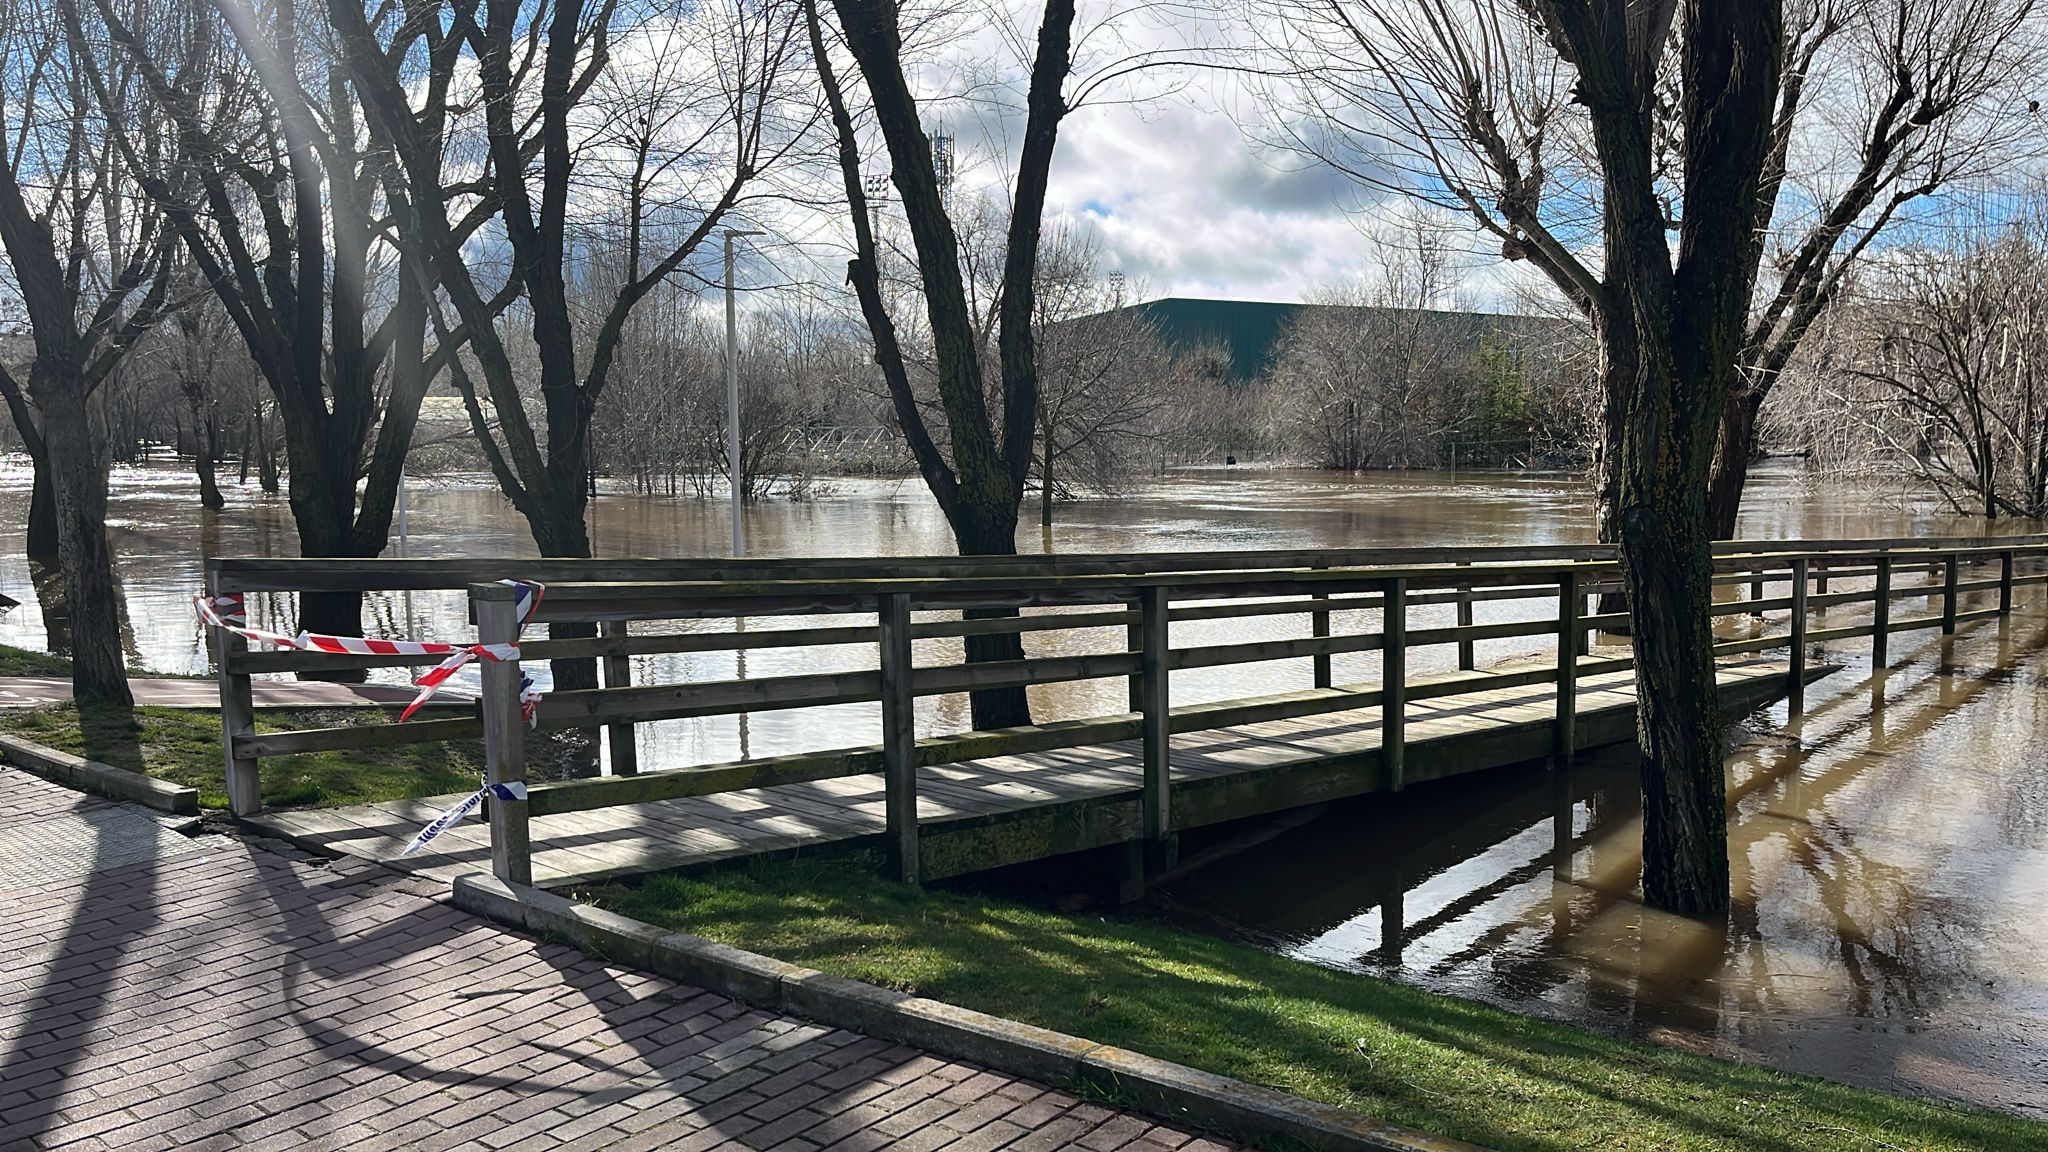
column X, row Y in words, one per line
column 1890, row 846
column 1890, row 857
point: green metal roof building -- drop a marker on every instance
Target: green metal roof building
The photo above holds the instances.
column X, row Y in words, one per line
column 1251, row 330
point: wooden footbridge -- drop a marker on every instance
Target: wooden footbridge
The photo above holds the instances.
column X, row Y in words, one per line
column 945, row 804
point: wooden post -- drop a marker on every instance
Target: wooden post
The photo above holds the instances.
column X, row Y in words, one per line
column 1881, row 614
column 1468, row 657
column 1587, row 607
column 899, row 736
column 497, row 622
column 618, row 673
column 2005, row 583
column 1319, row 626
column 1394, row 683
column 1948, row 596
column 237, row 715
column 1795, row 687
column 1134, row 641
column 1567, row 730
column 1756, row 589
column 1156, row 808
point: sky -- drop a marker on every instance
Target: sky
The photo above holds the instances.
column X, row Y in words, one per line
column 1187, row 206
column 1183, row 197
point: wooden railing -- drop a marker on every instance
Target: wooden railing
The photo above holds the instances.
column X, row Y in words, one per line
column 1145, row 603
column 1139, row 592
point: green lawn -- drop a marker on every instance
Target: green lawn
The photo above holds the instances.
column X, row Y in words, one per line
column 22, row 662
column 184, row 747
column 1447, row 1066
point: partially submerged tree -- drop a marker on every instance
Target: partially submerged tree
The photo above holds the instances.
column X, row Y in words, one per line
column 279, row 200
column 1376, row 375
column 1106, row 381
column 1955, row 342
column 89, row 267
column 978, row 479
column 681, row 143
column 1666, row 111
column 1465, row 105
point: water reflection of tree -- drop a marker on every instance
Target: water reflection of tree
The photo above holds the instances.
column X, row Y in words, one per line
column 1896, row 944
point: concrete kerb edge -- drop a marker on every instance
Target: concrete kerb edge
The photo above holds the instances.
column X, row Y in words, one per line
column 1171, row 1091
column 84, row 775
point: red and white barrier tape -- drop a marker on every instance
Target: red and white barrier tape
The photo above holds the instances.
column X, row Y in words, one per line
column 229, row 612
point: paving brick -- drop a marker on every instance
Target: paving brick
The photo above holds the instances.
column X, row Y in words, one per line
column 252, row 996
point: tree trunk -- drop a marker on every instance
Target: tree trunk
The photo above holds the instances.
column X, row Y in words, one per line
column 78, row 482
column 990, row 529
column 206, row 431
column 1045, row 477
column 1735, row 448
column 559, row 530
column 42, row 511
column 266, row 455
column 1667, row 569
column 1607, row 483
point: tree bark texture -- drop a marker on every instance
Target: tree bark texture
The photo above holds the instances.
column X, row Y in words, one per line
column 42, row 501
column 1735, row 448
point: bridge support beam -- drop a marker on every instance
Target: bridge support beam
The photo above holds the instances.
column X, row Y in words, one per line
column 237, row 711
column 1948, row 595
column 618, row 673
column 899, row 736
column 1394, row 683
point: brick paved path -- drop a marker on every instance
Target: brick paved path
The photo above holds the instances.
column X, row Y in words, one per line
column 230, row 994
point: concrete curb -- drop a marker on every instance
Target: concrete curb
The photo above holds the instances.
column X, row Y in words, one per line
column 99, row 779
column 1171, row 1091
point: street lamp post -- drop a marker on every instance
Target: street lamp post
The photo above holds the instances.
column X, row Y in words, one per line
column 732, row 395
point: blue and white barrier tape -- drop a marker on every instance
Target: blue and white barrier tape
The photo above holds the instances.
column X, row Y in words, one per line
column 512, row 790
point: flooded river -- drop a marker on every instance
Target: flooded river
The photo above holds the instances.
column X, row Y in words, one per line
column 1890, row 846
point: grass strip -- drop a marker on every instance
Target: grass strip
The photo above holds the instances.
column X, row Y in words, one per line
column 22, row 662
column 183, row 747
column 1437, row 1063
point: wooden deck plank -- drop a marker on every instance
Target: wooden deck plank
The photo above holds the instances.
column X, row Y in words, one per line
column 582, row 846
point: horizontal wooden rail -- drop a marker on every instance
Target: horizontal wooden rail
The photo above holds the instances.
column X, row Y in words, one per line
column 268, row 574
column 577, row 709
column 356, row 736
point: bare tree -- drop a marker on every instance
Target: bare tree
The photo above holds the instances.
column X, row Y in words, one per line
column 202, row 357
column 279, row 200
column 979, row 479
column 1954, row 343
column 1663, row 114
column 1374, row 375
column 1884, row 102
column 1106, row 380
column 680, row 143
column 89, row 266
